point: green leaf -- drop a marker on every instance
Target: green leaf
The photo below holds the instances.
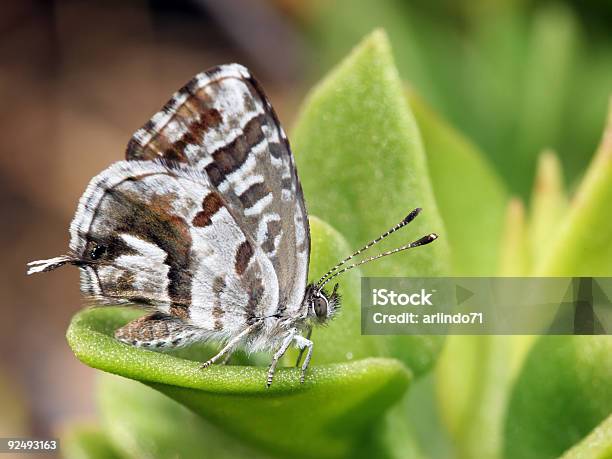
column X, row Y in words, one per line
column 562, row 394
column 342, row 23
column 547, row 72
column 549, row 203
column 598, row 445
column 474, row 376
column 396, row 436
column 473, row 217
column 563, row 391
column 361, row 160
column 363, row 168
column 515, row 256
column 87, row 442
column 141, row 422
column 583, row 244
column 343, row 398
column 475, row 373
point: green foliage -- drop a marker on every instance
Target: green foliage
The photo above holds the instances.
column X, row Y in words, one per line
column 583, row 244
column 143, row 422
column 562, row 394
column 515, row 259
column 515, row 76
column 597, row 445
column 358, row 116
column 479, row 193
column 549, row 204
column 87, row 442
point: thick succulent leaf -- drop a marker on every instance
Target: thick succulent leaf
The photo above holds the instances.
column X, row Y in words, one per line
column 598, row 445
column 362, row 163
column 515, row 256
column 475, row 373
column 561, row 395
column 549, row 204
column 424, row 419
column 563, row 391
column 344, row 397
column 474, row 377
column 547, row 72
column 470, row 195
column 87, row 442
column 583, row 245
column 396, row 436
column 342, row 23
column 142, row 422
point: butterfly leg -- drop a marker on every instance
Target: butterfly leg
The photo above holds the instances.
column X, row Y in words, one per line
column 289, row 337
column 231, row 345
column 227, row 358
column 301, row 353
column 157, row 331
column 304, row 343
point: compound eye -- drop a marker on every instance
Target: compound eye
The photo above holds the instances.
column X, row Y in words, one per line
column 96, row 251
column 320, row 307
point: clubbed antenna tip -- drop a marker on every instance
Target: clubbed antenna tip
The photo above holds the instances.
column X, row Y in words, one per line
column 411, row 216
column 425, row 240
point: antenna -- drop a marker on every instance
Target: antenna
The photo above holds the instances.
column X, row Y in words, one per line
column 419, row 242
column 407, row 219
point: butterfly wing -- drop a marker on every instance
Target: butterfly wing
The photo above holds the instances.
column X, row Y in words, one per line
column 221, row 124
column 162, row 236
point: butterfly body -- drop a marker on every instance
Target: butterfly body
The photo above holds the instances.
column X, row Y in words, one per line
column 204, row 224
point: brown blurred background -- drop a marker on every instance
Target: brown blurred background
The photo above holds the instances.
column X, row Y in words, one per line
column 76, row 79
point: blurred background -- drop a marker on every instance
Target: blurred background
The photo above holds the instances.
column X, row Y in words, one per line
column 78, row 77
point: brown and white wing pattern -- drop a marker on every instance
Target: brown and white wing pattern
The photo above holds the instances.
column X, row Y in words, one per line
column 221, row 124
column 162, row 236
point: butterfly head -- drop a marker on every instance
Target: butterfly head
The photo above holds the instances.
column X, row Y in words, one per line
column 321, row 304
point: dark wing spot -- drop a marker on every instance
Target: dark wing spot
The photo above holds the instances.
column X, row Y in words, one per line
column 273, row 230
column 208, row 119
column 276, row 150
column 176, row 153
column 243, row 256
column 287, row 184
column 231, row 157
column 210, row 206
column 253, row 194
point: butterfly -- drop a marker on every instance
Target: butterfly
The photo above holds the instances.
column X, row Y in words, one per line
column 204, row 224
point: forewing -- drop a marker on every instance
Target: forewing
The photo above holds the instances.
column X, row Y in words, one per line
column 222, row 124
column 163, row 236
